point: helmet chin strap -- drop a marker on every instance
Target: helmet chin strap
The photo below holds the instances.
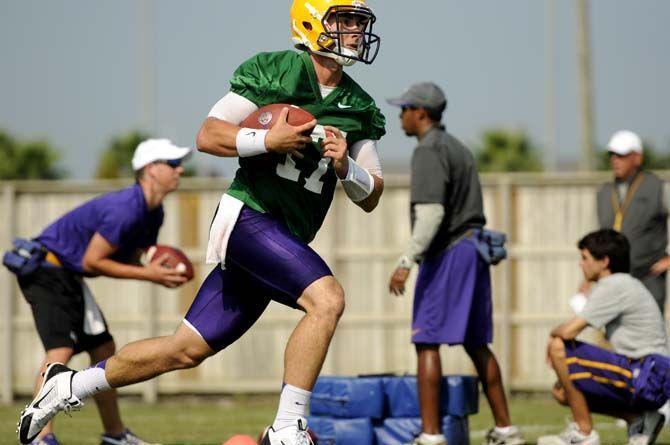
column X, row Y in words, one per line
column 343, row 60
column 340, row 59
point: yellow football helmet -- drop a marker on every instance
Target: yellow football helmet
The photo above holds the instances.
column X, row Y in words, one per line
column 339, row 29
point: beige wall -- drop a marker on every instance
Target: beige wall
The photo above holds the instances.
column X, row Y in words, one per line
column 543, row 215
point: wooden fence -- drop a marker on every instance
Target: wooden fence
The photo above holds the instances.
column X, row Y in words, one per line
column 544, row 216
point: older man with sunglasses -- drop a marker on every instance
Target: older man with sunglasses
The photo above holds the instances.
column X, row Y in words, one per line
column 104, row 236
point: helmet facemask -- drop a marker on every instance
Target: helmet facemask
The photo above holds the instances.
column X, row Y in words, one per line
column 339, row 23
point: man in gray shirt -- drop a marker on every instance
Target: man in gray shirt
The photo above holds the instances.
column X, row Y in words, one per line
column 627, row 382
column 452, row 299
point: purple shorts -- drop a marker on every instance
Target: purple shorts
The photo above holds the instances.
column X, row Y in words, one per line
column 452, row 299
column 604, row 377
column 264, row 262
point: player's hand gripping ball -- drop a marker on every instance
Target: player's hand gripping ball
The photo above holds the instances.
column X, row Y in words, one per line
column 176, row 259
column 290, row 128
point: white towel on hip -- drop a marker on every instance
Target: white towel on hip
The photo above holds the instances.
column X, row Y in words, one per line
column 222, row 226
column 94, row 323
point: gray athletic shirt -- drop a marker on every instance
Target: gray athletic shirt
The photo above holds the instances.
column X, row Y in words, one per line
column 444, row 172
column 633, row 323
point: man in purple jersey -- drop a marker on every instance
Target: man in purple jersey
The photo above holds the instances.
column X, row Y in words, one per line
column 632, row 380
column 104, row 236
column 452, row 300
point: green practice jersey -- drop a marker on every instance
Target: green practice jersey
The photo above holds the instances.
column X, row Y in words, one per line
column 296, row 191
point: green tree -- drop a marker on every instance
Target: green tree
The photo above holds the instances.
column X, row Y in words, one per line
column 115, row 161
column 27, row 159
column 507, row 151
column 653, row 159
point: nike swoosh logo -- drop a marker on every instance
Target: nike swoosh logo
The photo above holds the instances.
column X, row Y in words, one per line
column 37, row 404
column 252, row 134
column 342, row 106
column 300, row 404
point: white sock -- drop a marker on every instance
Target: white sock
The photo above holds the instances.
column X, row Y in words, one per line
column 293, row 404
column 432, row 438
column 89, row 382
column 503, row 429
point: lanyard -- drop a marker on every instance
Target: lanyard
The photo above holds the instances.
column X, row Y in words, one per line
column 620, row 210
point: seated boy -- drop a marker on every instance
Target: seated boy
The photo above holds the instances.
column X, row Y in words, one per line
column 628, row 382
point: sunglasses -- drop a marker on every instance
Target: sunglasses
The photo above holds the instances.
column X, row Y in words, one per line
column 174, row 163
column 407, row 107
column 618, row 156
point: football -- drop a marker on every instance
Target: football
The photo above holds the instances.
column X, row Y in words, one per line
column 266, row 117
column 176, row 259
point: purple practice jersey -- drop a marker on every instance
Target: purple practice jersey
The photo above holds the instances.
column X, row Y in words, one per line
column 121, row 217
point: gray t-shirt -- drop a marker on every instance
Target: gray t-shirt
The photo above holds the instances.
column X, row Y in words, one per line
column 444, row 172
column 633, row 323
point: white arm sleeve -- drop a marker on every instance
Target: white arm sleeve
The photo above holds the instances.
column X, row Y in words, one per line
column 232, row 108
column 428, row 220
column 364, row 152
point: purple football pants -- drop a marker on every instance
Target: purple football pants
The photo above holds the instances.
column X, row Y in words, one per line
column 264, row 262
column 604, row 377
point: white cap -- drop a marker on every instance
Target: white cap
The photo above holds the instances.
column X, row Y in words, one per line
column 624, row 142
column 153, row 150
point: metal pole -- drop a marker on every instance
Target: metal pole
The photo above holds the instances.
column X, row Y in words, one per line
column 551, row 152
column 147, row 66
column 7, row 297
column 586, row 94
column 507, row 290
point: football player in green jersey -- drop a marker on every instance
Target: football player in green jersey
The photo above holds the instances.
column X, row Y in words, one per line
column 273, row 208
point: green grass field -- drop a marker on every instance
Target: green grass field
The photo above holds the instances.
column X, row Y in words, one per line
column 191, row 420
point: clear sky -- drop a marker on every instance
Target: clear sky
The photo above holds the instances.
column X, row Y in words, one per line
column 78, row 72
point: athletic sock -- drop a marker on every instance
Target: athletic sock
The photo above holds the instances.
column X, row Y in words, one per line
column 90, row 382
column 432, row 438
column 504, row 430
column 293, row 404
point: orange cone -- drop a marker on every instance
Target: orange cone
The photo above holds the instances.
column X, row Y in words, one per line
column 240, row 439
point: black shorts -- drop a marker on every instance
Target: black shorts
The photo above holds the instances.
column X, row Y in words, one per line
column 56, row 297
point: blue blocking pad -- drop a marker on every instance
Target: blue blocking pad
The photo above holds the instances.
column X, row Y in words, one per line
column 348, row 397
column 463, row 395
column 400, row 431
column 330, row 431
column 459, row 396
